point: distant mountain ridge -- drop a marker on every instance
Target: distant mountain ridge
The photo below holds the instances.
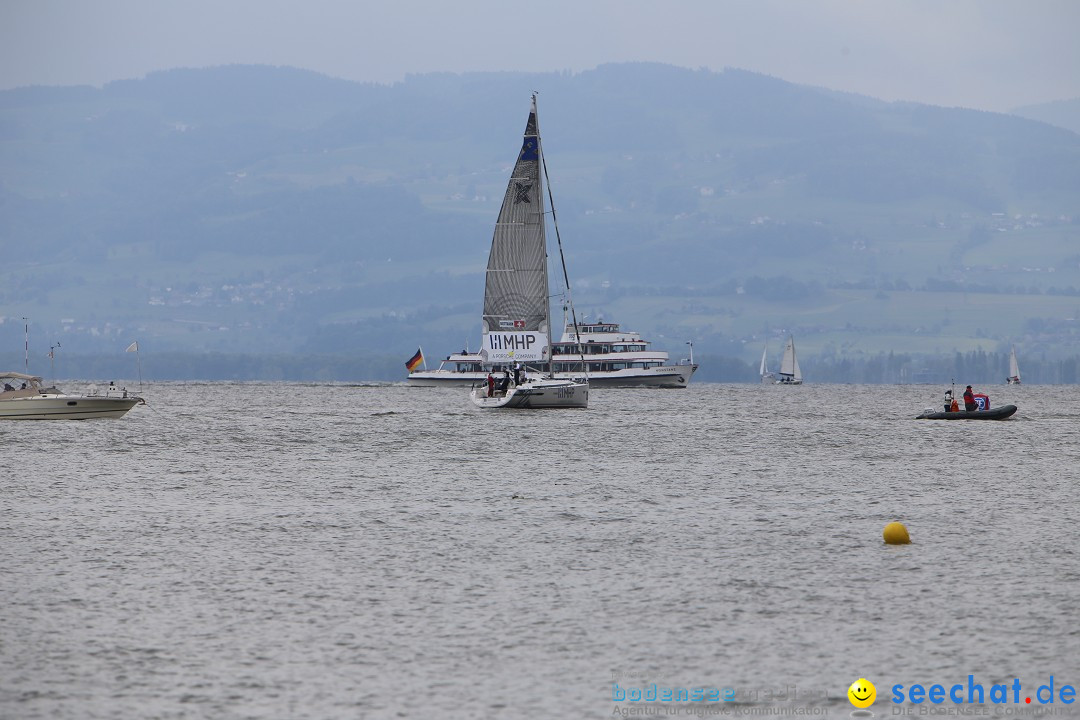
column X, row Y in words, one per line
column 276, row 210
column 1062, row 113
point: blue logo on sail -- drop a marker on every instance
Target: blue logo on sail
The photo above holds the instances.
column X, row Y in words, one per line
column 529, row 149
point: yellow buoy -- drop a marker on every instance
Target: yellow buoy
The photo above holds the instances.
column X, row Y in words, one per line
column 895, row 534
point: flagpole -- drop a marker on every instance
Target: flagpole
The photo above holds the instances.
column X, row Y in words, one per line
column 26, row 339
column 422, row 358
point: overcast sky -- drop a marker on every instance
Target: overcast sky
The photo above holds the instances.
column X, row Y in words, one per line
column 987, row 54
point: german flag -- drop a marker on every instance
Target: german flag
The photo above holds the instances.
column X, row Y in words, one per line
column 415, row 360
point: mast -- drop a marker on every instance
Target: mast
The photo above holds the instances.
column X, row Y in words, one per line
column 562, row 258
column 545, row 184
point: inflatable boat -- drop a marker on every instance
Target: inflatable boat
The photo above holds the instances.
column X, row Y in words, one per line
column 999, row 413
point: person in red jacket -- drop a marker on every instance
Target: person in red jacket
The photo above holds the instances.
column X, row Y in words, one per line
column 969, row 400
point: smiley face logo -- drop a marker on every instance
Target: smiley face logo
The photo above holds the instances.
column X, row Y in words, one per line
column 862, row 693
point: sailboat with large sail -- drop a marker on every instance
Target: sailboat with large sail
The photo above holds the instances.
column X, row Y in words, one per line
column 790, row 373
column 516, row 324
column 1014, row 368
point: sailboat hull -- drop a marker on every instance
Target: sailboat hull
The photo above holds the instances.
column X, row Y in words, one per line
column 536, row 395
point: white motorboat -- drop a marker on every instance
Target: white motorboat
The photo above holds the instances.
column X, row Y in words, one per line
column 516, row 323
column 463, row 368
column 616, row 358
column 24, row 397
column 613, row 358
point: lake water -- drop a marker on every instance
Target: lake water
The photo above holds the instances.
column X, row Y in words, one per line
column 340, row 551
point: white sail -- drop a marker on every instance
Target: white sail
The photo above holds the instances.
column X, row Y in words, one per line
column 517, row 315
column 1014, row 368
column 790, row 372
column 763, row 371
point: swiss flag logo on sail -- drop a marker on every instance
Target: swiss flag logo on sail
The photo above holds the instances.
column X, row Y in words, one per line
column 519, row 324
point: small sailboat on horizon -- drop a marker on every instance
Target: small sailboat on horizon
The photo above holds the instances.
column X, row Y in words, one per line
column 763, row 371
column 790, row 373
column 1014, row 368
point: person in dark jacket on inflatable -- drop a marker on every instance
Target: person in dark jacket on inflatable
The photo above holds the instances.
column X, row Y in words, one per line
column 969, row 400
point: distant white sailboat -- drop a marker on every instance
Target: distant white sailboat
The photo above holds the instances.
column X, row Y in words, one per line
column 763, row 371
column 1014, row 368
column 790, row 372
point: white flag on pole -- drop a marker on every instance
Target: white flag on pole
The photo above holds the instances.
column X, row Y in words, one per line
column 133, row 347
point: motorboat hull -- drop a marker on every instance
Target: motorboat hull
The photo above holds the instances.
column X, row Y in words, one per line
column 670, row 376
column 1000, row 413
column 535, row 395
column 65, row 407
column 445, row 378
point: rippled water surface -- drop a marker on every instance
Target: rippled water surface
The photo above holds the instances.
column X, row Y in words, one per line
column 333, row 551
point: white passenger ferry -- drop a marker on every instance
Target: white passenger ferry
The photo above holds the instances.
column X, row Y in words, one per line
column 613, row 357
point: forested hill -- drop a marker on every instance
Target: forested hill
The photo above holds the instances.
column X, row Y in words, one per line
column 271, row 210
